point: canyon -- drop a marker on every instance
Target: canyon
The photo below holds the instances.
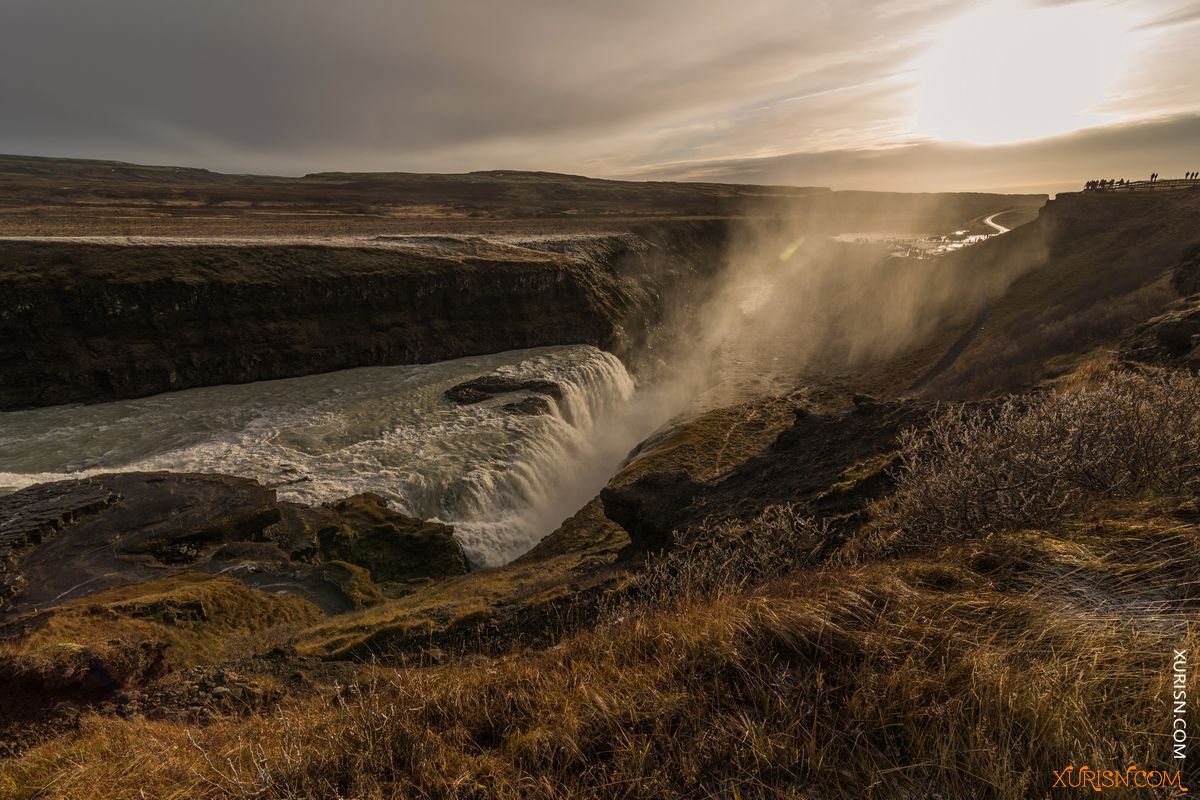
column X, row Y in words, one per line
column 650, row 362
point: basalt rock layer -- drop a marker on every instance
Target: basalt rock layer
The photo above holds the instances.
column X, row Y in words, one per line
column 82, row 321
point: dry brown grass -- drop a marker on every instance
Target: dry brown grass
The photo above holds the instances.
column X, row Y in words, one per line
column 199, row 618
column 724, row 557
column 976, row 672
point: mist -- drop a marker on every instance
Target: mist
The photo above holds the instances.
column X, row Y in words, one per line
column 789, row 307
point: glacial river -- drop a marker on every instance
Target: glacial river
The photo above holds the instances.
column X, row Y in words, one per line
column 502, row 479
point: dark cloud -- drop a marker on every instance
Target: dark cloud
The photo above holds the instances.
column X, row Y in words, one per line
column 294, row 74
column 595, row 86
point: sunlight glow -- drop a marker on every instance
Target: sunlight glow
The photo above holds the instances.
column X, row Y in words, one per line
column 1009, row 71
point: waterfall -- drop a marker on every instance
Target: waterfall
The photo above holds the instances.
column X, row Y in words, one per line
column 503, row 507
column 502, row 479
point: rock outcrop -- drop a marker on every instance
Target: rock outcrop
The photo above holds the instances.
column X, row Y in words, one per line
column 831, row 463
column 1170, row 338
column 392, row 547
column 485, row 387
column 74, row 538
column 528, row 406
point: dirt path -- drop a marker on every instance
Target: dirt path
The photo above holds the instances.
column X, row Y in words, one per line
column 952, row 354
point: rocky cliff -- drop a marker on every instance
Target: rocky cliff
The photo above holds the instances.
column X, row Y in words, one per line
column 84, row 321
column 1091, row 267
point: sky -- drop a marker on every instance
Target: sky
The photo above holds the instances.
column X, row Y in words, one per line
column 913, row 95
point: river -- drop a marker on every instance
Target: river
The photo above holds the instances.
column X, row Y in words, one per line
column 503, row 479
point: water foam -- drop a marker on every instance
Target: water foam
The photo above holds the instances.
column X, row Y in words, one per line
column 503, row 480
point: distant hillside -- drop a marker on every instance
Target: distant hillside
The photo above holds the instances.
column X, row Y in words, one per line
column 54, row 197
column 48, row 196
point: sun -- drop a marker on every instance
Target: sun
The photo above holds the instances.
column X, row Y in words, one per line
column 1010, row 71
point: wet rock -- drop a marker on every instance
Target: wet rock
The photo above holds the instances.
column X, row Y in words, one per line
column 390, row 545
column 465, row 395
column 530, row 406
column 175, row 517
column 486, row 387
column 113, row 530
column 301, row 528
column 37, row 512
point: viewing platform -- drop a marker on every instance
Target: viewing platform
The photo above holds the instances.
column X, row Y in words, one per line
column 1157, row 185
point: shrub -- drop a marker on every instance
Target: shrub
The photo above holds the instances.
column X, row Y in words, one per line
column 726, row 557
column 1031, row 460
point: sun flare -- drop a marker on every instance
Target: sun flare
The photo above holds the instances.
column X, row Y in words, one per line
column 1010, row 71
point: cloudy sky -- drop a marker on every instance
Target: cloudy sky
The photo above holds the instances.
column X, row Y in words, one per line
column 898, row 94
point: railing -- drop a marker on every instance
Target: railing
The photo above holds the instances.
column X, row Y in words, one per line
column 1161, row 183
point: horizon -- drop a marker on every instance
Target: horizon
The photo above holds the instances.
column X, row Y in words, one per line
column 503, row 170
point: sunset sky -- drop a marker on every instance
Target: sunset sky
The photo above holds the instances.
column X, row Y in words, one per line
column 904, row 94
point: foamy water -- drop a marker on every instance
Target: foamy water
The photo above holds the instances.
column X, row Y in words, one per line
column 503, row 480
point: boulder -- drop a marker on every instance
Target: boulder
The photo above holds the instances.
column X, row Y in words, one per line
column 391, row 546
column 486, row 387
column 1169, row 338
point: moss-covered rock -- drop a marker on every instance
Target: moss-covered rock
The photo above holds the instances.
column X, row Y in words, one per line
column 390, row 545
column 354, row 582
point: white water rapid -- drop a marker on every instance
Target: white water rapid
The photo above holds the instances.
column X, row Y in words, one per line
column 503, row 479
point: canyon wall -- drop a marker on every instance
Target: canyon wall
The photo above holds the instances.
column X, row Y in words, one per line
column 85, row 321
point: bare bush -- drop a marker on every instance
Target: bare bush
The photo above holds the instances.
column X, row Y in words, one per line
column 728, row 556
column 1029, row 461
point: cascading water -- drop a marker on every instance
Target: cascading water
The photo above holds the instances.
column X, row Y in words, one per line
column 503, row 479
